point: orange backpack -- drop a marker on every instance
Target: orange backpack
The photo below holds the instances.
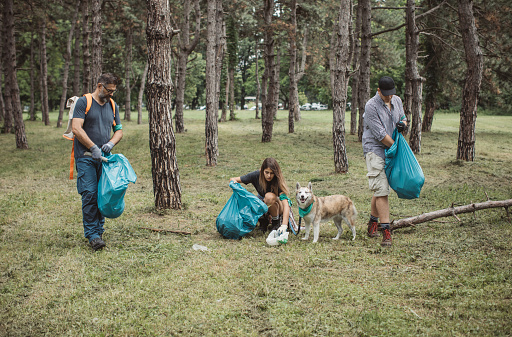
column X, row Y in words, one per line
column 69, row 133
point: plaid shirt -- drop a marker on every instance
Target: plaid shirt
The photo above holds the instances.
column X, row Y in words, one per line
column 379, row 121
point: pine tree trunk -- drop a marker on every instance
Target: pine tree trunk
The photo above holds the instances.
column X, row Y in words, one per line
column 97, row 48
column 8, row 118
column 162, row 143
column 127, row 72
column 180, row 90
column 474, row 60
column 293, row 103
column 32, row 111
column 141, row 93
column 76, row 63
column 355, row 77
column 300, row 72
column 267, row 113
column 11, row 77
column 364, row 62
column 86, row 76
column 416, row 81
column 67, row 61
column 44, row 77
column 2, row 102
column 212, row 103
column 340, row 62
column 231, row 86
column 257, row 76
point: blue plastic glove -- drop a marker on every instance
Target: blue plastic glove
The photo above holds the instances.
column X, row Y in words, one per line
column 95, row 152
column 107, row 147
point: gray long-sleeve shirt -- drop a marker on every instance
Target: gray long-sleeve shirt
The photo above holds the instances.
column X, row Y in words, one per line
column 379, row 121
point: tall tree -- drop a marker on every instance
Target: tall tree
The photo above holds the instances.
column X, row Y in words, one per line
column 141, row 93
column 44, row 74
column 340, row 59
column 364, row 61
column 232, row 46
column 162, row 142
column 65, row 72
column 212, row 85
column 355, row 77
column 86, row 33
column 11, row 77
column 294, row 98
column 127, row 75
column 412, row 76
column 474, row 61
column 97, row 48
column 186, row 46
column 268, row 89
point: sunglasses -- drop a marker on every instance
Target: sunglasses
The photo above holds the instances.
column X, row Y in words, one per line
column 110, row 91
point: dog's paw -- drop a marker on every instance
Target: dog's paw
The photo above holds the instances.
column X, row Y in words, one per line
column 304, row 238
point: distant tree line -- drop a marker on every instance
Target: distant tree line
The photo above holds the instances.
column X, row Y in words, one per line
column 443, row 54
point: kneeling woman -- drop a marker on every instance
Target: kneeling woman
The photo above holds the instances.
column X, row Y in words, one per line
column 272, row 189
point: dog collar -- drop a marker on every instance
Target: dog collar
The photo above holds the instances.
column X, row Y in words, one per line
column 304, row 212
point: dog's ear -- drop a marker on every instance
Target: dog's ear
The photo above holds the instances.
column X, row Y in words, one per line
column 310, row 186
column 297, row 186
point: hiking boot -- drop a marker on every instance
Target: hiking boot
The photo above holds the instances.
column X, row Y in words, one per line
column 97, row 244
column 275, row 224
column 373, row 229
column 263, row 223
column 386, row 238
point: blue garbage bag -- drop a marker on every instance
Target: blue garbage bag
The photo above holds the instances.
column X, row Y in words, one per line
column 403, row 171
column 114, row 179
column 240, row 214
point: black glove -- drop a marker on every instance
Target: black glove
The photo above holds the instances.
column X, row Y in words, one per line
column 400, row 126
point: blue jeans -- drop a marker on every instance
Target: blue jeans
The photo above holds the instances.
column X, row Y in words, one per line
column 88, row 175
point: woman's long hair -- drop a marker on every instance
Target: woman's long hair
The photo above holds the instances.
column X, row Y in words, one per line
column 278, row 182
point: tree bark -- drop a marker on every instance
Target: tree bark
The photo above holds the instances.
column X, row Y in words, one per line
column 474, row 61
column 451, row 211
column 364, row 62
column 355, row 78
column 257, row 76
column 340, row 60
column 184, row 50
column 413, row 77
column 67, row 61
column 294, row 104
column 141, row 93
column 268, row 90
column 8, row 122
column 212, row 102
column 300, row 72
column 44, row 76
column 11, row 77
column 32, row 111
column 86, row 76
column 97, row 48
column 162, row 143
column 76, row 63
column 127, row 72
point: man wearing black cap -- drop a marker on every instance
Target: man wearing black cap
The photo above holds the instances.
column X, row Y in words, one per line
column 383, row 113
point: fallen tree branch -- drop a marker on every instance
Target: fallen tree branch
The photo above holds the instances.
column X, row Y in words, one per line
column 166, row 231
column 451, row 211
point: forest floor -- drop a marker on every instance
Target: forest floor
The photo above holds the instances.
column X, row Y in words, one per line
column 440, row 278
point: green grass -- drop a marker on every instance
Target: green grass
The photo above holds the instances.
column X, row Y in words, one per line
column 442, row 278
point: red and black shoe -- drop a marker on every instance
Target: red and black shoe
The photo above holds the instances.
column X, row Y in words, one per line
column 373, row 229
column 386, row 238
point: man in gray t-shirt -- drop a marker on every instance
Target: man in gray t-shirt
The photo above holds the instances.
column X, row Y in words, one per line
column 383, row 113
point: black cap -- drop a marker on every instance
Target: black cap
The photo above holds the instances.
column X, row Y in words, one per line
column 387, row 86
